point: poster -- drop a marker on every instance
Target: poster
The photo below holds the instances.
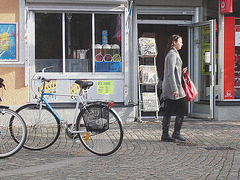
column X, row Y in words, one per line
column 104, row 37
column 205, row 49
column 74, row 89
column 50, row 87
column 237, row 35
column 8, row 41
column 105, row 87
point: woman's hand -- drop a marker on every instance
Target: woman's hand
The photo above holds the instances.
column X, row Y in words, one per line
column 175, row 94
column 184, row 70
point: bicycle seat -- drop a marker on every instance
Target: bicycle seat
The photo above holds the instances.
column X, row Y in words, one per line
column 84, row 84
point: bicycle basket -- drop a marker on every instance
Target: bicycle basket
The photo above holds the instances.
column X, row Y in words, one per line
column 96, row 119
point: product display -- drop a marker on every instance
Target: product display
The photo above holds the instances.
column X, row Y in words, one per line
column 148, row 74
column 147, row 47
column 150, row 102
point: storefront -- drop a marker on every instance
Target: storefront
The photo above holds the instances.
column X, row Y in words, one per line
column 190, row 20
column 82, row 40
column 210, row 51
column 98, row 41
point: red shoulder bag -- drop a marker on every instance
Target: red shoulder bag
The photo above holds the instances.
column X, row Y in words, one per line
column 189, row 87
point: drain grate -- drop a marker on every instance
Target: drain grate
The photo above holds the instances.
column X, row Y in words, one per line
column 186, row 144
column 219, row 148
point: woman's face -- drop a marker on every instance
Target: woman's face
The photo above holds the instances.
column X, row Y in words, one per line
column 178, row 44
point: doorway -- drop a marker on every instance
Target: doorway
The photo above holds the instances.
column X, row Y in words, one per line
column 161, row 33
column 198, row 54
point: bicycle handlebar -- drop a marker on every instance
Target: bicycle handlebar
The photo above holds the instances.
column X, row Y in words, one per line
column 46, row 68
column 44, row 79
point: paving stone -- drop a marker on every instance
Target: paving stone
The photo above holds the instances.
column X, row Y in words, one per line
column 212, row 151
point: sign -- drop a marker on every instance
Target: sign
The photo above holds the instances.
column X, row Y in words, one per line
column 226, row 6
column 105, row 87
column 229, row 57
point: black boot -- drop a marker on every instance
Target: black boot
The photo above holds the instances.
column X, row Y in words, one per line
column 165, row 129
column 177, row 128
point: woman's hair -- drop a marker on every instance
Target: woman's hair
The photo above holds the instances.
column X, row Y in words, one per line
column 170, row 43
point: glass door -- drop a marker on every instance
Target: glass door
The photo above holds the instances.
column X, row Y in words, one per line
column 202, row 50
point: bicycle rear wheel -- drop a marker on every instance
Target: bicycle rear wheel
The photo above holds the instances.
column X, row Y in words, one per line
column 11, row 123
column 103, row 142
column 43, row 128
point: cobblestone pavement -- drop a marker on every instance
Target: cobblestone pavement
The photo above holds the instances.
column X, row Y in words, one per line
column 212, row 151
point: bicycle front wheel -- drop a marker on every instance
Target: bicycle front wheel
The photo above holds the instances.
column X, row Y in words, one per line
column 43, row 128
column 11, row 123
column 104, row 141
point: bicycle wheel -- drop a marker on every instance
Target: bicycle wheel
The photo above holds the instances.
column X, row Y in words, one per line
column 11, row 123
column 43, row 128
column 103, row 142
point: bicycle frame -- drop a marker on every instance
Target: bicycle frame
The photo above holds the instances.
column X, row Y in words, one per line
column 79, row 99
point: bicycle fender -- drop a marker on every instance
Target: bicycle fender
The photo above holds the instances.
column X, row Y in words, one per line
column 118, row 116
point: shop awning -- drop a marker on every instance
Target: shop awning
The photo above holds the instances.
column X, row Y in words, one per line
column 79, row 1
column 186, row 3
column 77, row 5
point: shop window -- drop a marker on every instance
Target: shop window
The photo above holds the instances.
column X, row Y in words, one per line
column 80, row 54
column 78, row 40
column 48, row 43
column 232, row 31
column 237, row 59
column 108, row 43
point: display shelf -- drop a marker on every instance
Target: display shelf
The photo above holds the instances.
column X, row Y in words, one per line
column 148, row 77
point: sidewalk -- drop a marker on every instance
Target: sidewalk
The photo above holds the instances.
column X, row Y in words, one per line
column 212, row 151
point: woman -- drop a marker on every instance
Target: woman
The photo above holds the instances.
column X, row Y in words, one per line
column 173, row 93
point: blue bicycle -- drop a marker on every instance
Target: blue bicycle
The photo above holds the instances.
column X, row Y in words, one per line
column 96, row 124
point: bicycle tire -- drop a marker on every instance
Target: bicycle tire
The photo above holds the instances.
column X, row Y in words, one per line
column 40, row 134
column 100, row 143
column 11, row 122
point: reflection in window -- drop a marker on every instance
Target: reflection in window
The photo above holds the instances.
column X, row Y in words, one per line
column 108, row 43
column 48, row 43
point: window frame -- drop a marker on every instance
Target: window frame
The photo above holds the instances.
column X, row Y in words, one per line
column 63, row 14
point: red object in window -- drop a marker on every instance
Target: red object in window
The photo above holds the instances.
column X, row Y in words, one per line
column 226, row 6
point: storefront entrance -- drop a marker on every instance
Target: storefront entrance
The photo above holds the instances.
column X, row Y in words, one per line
column 198, row 54
column 203, row 68
column 161, row 32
